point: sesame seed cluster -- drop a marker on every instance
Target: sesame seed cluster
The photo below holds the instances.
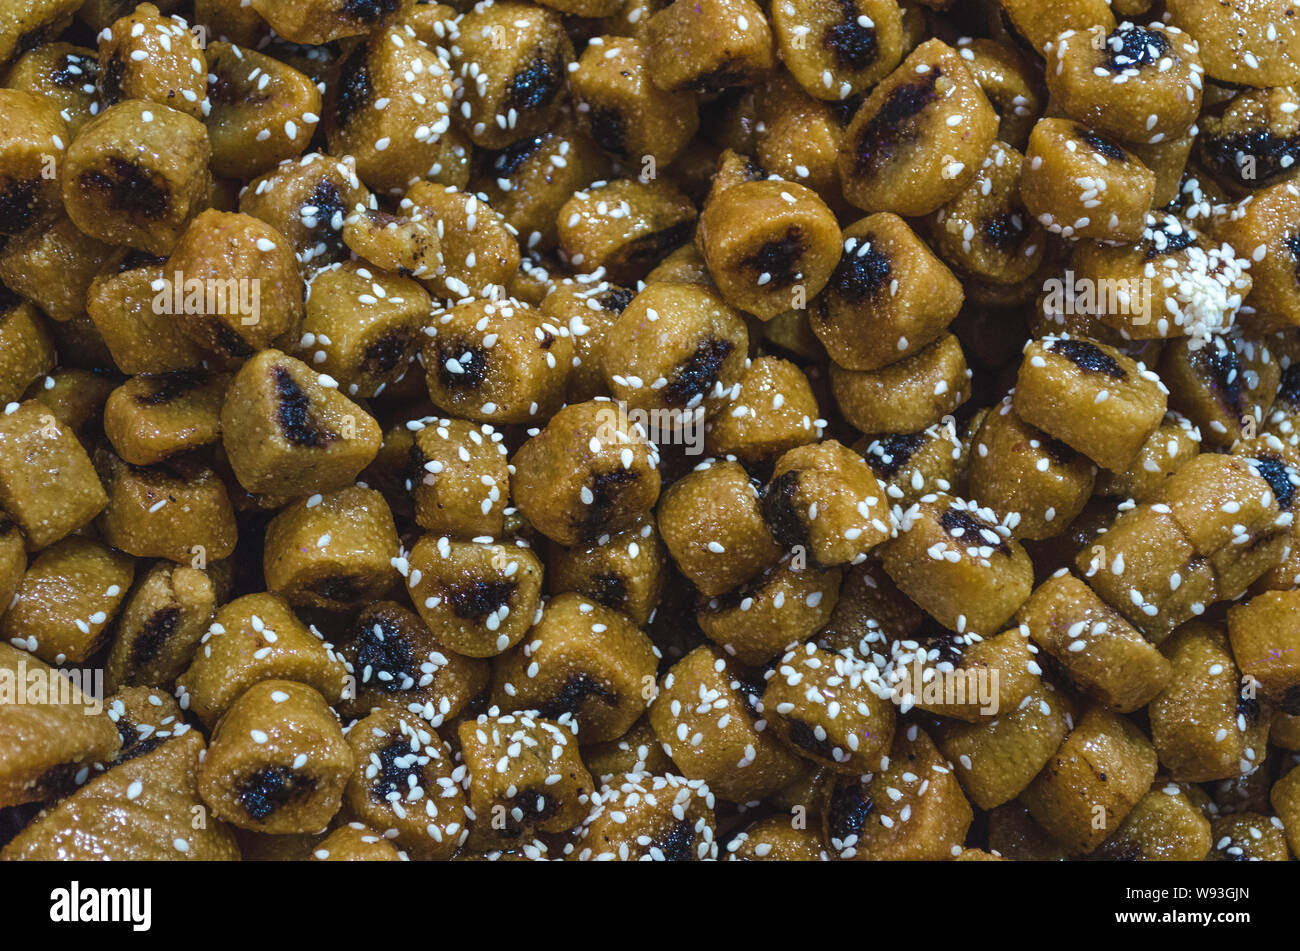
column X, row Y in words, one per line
column 669, row 430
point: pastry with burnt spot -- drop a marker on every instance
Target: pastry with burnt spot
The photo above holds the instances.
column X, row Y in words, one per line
column 525, row 776
column 910, row 808
column 1081, row 184
column 1224, row 386
column 1174, row 281
column 496, row 361
column 216, row 304
column 29, row 198
column 1279, row 464
column 888, row 298
column 64, row 73
column 829, row 708
column 141, row 810
column 406, row 244
column 288, row 430
column 1255, row 142
column 629, row 116
column 397, row 663
column 362, row 326
column 333, row 550
column 674, row 353
column 826, row 499
column 960, row 563
column 479, row 598
column 626, row 226
column 588, row 473
column 709, row 45
column 152, row 417
column 159, row 626
column 624, row 570
column 837, row 48
column 1090, row 396
column 406, row 785
column 584, row 660
column 520, row 56
column 145, row 717
column 137, row 174
column 1139, row 84
column 986, row 231
column 307, row 200
column 648, row 816
column 766, row 241
column 918, row 139
column 910, row 465
column 144, row 55
column 317, row 22
column 49, row 746
column 399, row 143
column 278, row 761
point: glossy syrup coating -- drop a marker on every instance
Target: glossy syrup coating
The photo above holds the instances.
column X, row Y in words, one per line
column 596, row 430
